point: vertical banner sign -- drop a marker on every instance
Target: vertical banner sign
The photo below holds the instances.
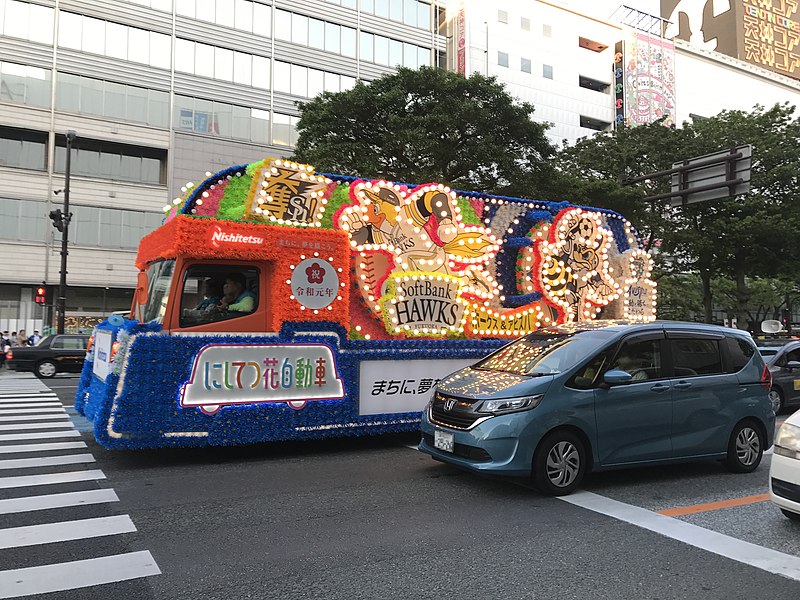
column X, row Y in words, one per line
column 619, row 84
column 461, row 41
column 769, row 35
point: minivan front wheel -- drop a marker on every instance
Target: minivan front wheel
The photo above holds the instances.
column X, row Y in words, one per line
column 559, row 463
column 745, row 448
column 776, row 398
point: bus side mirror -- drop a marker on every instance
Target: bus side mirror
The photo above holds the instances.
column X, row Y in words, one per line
column 140, row 299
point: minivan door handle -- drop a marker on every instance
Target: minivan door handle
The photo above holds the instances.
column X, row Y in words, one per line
column 660, row 387
column 683, row 385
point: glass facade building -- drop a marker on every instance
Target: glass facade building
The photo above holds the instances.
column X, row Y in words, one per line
column 158, row 91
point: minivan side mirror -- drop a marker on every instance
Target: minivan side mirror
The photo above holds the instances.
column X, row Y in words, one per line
column 617, row 377
column 793, row 364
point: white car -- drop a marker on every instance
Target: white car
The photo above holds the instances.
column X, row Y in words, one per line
column 784, row 474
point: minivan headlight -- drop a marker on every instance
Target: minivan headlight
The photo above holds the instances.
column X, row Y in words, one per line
column 787, row 442
column 508, row 405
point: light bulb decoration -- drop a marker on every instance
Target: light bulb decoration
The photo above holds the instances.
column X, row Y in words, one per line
column 574, row 271
column 638, row 289
column 421, row 231
column 288, row 193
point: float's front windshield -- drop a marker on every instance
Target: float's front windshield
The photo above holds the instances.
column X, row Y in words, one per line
column 159, row 279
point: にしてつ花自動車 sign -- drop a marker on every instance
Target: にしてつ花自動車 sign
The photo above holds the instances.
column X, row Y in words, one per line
column 229, row 374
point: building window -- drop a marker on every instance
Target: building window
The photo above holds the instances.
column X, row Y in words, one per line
column 97, row 36
column 547, row 71
column 547, row 31
column 284, row 130
column 110, row 227
column 591, row 44
column 410, row 12
column 24, row 85
column 27, row 21
column 502, row 59
column 595, row 124
column 525, row 23
column 85, row 95
column 502, row 16
column 23, row 220
column 221, row 64
column 221, row 119
column 244, row 15
column 525, row 65
column 23, row 148
column 114, row 161
column 593, row 84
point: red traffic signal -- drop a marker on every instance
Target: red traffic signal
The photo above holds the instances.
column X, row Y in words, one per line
column 41, row 297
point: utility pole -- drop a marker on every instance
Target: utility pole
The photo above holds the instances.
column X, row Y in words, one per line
column 61, row 222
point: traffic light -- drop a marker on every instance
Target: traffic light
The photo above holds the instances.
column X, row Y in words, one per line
column 58, row 219
column 41, row 295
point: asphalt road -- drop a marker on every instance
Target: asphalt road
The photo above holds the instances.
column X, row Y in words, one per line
column 374, row 518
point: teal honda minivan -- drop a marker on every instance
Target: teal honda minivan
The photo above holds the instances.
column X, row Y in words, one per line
column 570, row 399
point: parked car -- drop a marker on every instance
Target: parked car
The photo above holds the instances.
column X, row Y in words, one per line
column 783, row 359
column 53, row 354
column 784, row 472
column 567, row 400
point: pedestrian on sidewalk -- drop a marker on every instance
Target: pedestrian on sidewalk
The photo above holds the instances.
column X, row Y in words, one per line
column 13, row 339
column 22, row 339
column 5, row 346
column 34, row 339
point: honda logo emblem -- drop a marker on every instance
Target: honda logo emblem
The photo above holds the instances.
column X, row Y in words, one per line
column 449, row 404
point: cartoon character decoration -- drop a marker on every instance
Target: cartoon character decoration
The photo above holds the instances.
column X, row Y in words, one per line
column 397, row 230
column 574, row 269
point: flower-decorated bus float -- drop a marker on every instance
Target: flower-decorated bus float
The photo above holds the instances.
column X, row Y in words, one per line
column 276, row 303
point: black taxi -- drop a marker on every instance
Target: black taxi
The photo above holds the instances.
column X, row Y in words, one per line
column 53, row 354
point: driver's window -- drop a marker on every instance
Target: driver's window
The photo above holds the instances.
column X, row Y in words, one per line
column 642, row 359
column 794, row 355
column 213, row 293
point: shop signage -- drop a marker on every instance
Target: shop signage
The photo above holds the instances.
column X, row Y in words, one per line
column 231, row 374
column 391, row 386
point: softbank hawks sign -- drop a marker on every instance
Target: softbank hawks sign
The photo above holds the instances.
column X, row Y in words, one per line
column 233, row 238
column 426, row 303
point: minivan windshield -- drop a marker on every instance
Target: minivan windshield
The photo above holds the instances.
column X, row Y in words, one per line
column 544, row 353
column 159, row 278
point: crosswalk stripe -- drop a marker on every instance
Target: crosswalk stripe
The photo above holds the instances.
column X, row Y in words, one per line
column 63, row 500
column 21, row 426
column 61, row 416
column 47, row 404
column 12, row 397
column 46, row 461
column 33, row 411
column 77, row 574
column 64, row 531
column 41, row 435
column 22, row 448
column 19, row 481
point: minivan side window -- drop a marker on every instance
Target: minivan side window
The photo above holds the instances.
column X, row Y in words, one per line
column 692, row 357
column 739, row 354
column 640, row 358
column 788, row 357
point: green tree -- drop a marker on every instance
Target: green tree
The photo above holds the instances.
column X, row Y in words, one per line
column 745, row 238
column 429, row 125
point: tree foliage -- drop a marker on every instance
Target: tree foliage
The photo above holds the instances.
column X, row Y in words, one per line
column 745, row 238
column 428, row 125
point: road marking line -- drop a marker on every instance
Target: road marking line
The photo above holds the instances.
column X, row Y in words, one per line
column 30, row 405
column 24, row 426
column 766, row 559
column 22, row 448
column 46, row 461
column 50, row 478
column 40, row 435
column 65, row 531
column 709, row 506
column 34, row 411
column 47, row 501
column 4, row 399
column 77, row 574
column 59, row 415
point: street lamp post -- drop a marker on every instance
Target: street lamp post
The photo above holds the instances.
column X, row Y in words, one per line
column 64, row 221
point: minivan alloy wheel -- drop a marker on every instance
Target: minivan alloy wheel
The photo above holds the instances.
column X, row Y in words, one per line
column 748, row 446
column 563, row 464
column 776, row 400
